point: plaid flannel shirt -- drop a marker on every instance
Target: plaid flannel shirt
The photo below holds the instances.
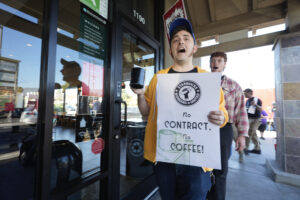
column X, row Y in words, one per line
column 235, row 105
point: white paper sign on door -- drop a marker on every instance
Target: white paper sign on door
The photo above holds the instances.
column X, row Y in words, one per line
column 184, row 134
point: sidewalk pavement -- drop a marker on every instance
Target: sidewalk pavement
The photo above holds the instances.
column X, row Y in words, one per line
column 251, row 180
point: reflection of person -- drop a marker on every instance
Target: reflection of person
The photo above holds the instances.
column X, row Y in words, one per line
column 97, row 106
column 83, row 107
column 71, row 71
column 263, row 124
column 254, row 108
column 235, row 106
column 177, row 181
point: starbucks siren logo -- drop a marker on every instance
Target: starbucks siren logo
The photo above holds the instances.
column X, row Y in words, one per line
column 187, row 93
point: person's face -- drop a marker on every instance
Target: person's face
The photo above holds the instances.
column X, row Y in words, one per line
column 217, row 64
column 67, row 73
column 182, row 46
column 247, row 95
column 70, row 73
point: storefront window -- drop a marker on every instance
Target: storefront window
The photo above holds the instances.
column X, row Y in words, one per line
column 20, row 51
column 81, row 59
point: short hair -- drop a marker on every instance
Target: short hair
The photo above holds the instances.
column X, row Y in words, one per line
column 248, row 90
column 219, row 54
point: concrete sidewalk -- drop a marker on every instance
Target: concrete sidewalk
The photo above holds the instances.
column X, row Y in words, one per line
column 251, row 180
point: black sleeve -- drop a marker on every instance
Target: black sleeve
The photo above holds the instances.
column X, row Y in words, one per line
column 259, row 102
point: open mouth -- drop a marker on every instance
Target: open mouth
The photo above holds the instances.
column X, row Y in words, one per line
column 215, row 67
column 181, row 51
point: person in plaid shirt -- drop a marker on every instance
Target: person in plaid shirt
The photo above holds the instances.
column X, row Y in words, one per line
column 238, row 118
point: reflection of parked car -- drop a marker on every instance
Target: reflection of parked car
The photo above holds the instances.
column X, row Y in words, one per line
column 3, row 114
column 29, row 115
column 17, row 112
column 70, row 110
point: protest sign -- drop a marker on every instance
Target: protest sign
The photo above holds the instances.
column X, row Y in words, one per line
column 184, row 134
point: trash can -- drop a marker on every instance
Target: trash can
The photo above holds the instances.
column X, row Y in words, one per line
column 136, row 165
column 66, row 163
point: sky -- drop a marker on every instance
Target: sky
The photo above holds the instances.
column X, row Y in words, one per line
column 251, row 68
column 26, row 49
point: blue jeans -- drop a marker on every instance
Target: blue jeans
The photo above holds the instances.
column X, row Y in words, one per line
column 181, row 181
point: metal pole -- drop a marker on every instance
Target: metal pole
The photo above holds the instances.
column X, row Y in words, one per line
column 45, row 106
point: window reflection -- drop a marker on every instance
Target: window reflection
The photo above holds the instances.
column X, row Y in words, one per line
column 78, row 105
column 136, row 53
column 79, row 86
column 133, row 166
column 20, row 50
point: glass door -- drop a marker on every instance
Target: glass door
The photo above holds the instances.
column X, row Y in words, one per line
column 79, row 133
column 20, row 61
column 138, row 51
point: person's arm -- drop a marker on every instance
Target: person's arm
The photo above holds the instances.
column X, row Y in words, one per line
column 241, row 120
column 142, row 103
column 264, row 115
column 219, row 117
column 258, row 105
column 144, row 97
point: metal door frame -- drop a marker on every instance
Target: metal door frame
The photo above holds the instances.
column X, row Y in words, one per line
column 110, row 158
column 123, row 23
column 45, row 110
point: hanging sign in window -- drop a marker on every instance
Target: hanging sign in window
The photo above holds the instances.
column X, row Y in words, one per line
column 92, row 80
column 99, row 6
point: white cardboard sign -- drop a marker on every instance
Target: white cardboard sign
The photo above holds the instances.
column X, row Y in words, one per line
column 184, row 134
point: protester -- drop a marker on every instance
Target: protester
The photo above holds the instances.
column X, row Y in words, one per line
column 254, row 108
column 177, row 181
column 263, row 124
column 235, row 106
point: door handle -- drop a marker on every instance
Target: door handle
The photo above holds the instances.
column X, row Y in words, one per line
column 120, row 101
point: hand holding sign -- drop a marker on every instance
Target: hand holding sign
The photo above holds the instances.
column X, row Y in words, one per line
column 216, row 117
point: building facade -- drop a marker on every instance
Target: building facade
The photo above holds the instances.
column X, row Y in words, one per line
column 70, row 126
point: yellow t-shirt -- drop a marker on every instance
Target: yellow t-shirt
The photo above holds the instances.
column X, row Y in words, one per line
column 151, row 128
